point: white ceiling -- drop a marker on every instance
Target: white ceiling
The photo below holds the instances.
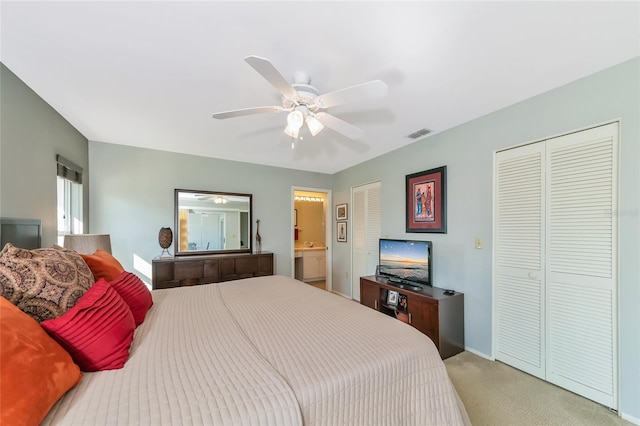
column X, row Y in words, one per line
column 149, row 74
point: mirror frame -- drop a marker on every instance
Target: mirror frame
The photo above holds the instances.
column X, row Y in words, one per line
column 176, row 213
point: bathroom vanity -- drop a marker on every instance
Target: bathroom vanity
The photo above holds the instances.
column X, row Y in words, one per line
column 310, row 263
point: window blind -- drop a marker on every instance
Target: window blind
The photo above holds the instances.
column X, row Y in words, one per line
column 68, row 170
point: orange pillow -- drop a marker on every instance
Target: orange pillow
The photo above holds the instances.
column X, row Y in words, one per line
column 103, row 265
column 34, row 369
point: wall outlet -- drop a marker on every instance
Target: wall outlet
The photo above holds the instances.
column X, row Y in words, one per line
column 478, row 242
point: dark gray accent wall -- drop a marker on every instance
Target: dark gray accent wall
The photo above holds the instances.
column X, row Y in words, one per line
column 31, row 134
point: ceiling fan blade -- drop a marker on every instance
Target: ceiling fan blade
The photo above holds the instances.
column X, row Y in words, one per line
column 361, row 92
column 246, row 111
column 266, row 69
column 339, row 126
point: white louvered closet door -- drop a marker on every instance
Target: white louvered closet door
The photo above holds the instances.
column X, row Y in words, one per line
column 365, row 233
column 581, row 272
column 519, row 266
column 555, row 287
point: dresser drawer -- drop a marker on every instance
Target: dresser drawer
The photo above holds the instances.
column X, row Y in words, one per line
column 192, row 269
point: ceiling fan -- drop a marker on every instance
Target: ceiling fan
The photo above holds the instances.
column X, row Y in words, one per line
column 303, row 102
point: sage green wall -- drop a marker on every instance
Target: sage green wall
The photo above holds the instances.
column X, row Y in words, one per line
column 31, row 134
column 132, row 192
column 468, row 151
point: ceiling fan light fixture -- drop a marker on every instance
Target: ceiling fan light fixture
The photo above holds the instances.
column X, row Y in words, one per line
column 295, row 119
column 315, row 126
column 302, row 100
column 292, row 132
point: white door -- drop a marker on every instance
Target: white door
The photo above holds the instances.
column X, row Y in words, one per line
column 555, row 287
column 519, row 265
column 365, row 233
column 581, row 273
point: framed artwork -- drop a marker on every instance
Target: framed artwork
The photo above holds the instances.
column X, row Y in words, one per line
column 342, row 232
column 402, row 302
column 295, row 217
column 392, row 298
column 427, row 201
column 341, row 211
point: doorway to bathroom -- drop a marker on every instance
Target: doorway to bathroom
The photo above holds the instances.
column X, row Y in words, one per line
column 311, row 236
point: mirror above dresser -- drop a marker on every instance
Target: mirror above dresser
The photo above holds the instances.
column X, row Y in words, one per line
column 208, row 222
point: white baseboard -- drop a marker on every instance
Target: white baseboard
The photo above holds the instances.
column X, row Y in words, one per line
column 634, row 420
column 480, row 354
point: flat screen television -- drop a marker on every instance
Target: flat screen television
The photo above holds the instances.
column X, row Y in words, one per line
column 406, row 260
column 21, row 233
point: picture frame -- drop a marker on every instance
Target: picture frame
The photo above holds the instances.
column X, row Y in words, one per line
column 341, row 211
column 341, row 232
column 295, row 217
column 392, row 298
column 402, row 302
column 426, row 201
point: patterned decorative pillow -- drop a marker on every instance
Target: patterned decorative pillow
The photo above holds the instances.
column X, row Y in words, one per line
column 44, row 283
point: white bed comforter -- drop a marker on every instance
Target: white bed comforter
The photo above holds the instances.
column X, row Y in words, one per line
column 271, row 351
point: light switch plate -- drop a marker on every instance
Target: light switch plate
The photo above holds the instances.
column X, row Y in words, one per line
column 478, row 242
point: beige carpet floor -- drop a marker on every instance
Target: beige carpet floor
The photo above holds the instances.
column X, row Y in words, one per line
column 496, row 394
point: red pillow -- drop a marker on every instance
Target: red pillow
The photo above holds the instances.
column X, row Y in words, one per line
column 98, row 331
column 135, row 293
column 103, row 265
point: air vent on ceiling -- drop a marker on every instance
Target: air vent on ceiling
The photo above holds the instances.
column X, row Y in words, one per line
column 419, row 133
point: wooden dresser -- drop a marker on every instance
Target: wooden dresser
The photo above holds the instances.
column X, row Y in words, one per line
column 183, row 271
column 438, row 315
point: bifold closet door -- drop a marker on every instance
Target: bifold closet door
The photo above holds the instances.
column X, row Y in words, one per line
column 365, row 200
column 581, row 275
column 519, row 261
column 556, row 261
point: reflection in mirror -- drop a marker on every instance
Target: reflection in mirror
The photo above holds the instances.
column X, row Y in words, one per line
column 212, row 222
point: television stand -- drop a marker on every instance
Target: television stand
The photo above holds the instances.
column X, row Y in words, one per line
column 429, row 310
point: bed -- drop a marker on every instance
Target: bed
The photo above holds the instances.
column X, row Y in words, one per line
column 271, row 351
